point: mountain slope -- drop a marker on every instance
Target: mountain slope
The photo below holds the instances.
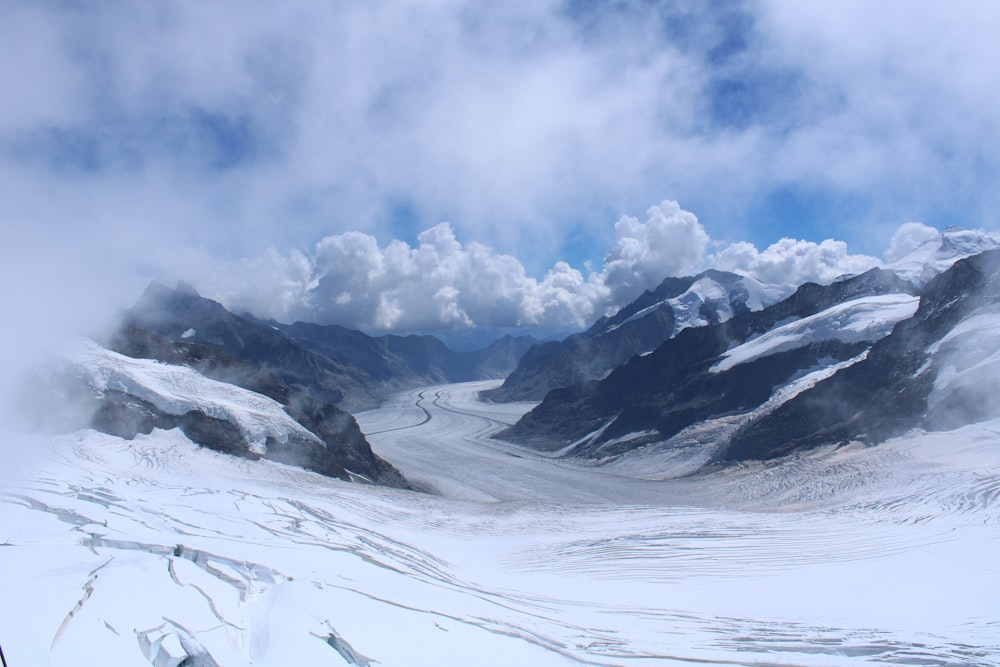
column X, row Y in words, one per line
column 314, row 372
column 938, row 369
column 182, row 315
column 331, row 363
column 675, row 305
column 710, row 372
column 131, row 396
column 680, row 303
column 938, row 254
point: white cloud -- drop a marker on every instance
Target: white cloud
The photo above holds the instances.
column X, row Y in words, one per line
column 670, row 242
column 437, row 284
column 440, row 283
column 41, row 83
column 565, row 298
column 175, row 137
column 517, row 120
column 792, row 262
column 908, row 238
column 898, row 97
column 274, row 285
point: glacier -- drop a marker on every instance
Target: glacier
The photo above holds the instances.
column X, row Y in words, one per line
column 156, row 551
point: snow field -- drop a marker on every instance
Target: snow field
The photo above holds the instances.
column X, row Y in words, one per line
column 862, row 320
column 177, row 390
column 144, row 552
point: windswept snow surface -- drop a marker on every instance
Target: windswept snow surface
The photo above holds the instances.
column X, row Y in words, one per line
column 862, row 320
column 156, row 551
column 940, row 253
column 177, row 390
column 969, row 359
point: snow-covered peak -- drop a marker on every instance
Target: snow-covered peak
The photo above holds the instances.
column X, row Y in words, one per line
column 761, row 295
column 715, row 295
column 718, row 295
column 688, row 307
column 939, row 253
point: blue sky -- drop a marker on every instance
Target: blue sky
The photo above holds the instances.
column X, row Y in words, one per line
column 272, row 153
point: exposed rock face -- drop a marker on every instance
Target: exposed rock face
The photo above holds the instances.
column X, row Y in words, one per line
column 653, row 397
column 343, row 446
column 126, row 416
column 904, row 381
column 182, row 316
column 676, row 304
column 346, row 446
column 331, row 363
column 134, row 341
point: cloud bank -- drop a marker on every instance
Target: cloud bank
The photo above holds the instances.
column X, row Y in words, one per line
column 441, row 283
column 138, row 139
column 236, row 126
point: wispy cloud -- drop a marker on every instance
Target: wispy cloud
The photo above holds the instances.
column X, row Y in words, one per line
column 143, row 138
column 516, row 121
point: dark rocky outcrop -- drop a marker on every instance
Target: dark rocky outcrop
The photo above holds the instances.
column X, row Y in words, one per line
column 183, row 316
column 673, row 387
column 887, row 394
column 637, row 328
column 348, row 368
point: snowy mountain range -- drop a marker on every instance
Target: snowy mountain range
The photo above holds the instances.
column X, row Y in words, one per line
column 821, row 366
column 638, row 328
column 706, row 299
column 712, row 499
column 337, row 365
column 702, row 370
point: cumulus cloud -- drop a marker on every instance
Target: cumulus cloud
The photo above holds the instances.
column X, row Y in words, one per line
column 792, row 262
column 670, row 242
column 352, row 280
column 908, row 238
column 440, row 283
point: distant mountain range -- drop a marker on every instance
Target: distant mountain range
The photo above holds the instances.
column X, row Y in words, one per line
column 861, row 359
column 334, row 364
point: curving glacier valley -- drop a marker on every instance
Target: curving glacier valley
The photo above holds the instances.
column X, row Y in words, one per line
column 156, row 551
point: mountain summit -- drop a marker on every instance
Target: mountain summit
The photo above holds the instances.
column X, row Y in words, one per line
column 658, row 315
